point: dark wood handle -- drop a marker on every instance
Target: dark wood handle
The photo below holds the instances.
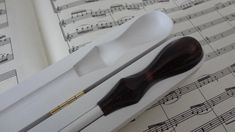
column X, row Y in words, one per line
column 177, row 57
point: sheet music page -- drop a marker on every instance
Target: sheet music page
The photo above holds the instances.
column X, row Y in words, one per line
column 21, row 50
column 206, row 101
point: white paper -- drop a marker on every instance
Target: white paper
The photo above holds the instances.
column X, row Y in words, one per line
column 21, row 43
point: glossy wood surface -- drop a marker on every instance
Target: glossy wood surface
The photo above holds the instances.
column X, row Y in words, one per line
column 177, row 57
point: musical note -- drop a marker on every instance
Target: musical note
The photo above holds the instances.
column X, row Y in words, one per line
column 196, row 84
column 90, row 28
column 217, row 36
column 204, row 26
column 230, row 91
column 204, row 80
column 4, row 41
column 159, row 127
column 213, row 77
column 220, row 51
column 178, row 8
column 203, row 12
column 189, row 4
column 202, row 108
column 120, row 7
column 186, row 5
column 171, row 96
column 75, row 48
column 79, row 12
column 196, row 2
column 128, row 6
column 100, row 13
column 6, row 57
column 73, row 4
column 133, row 6
column 233, row 68
column 219, row 120
column 116, row 8
column 3, row 57
column 83, row 14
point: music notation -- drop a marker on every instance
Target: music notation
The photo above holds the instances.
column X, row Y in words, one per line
column 81, row 2
column 99, row 26
column 7, row 75
column 207, row 40
column 204, row 26
column 202, row 108
column 176, row 94
column 77, row 14
column 219, row 120
column 220, row 51
column 4, row 40
column 209, row 56
column 203, row 42
column 75, row 48
column 218, row 36
column 88, row 28
column 83, row 14
column 187, row 4
column 184, row 6
column 6, row 57
column 73, row 4
column 216, row 7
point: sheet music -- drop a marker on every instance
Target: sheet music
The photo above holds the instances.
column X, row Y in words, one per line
column 206, row 101
column 21, row 53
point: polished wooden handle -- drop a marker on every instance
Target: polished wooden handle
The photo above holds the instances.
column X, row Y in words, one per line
column 177, row 57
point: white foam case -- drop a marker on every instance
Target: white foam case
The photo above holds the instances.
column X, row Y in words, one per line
column 36, row 96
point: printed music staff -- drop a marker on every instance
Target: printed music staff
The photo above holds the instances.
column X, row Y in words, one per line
column 5, row 57
column 4, row 40
column 84, row 14
column 73, row 24
column 90, row 28
column 203, row 12
column 60, row 8
column 202, row 108
column 221, row 119
column 71, row 27
column 96, row 27
column 196, row 84
column 6, row 52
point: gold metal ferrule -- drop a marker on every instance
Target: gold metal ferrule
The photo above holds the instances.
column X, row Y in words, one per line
column 67, row 102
